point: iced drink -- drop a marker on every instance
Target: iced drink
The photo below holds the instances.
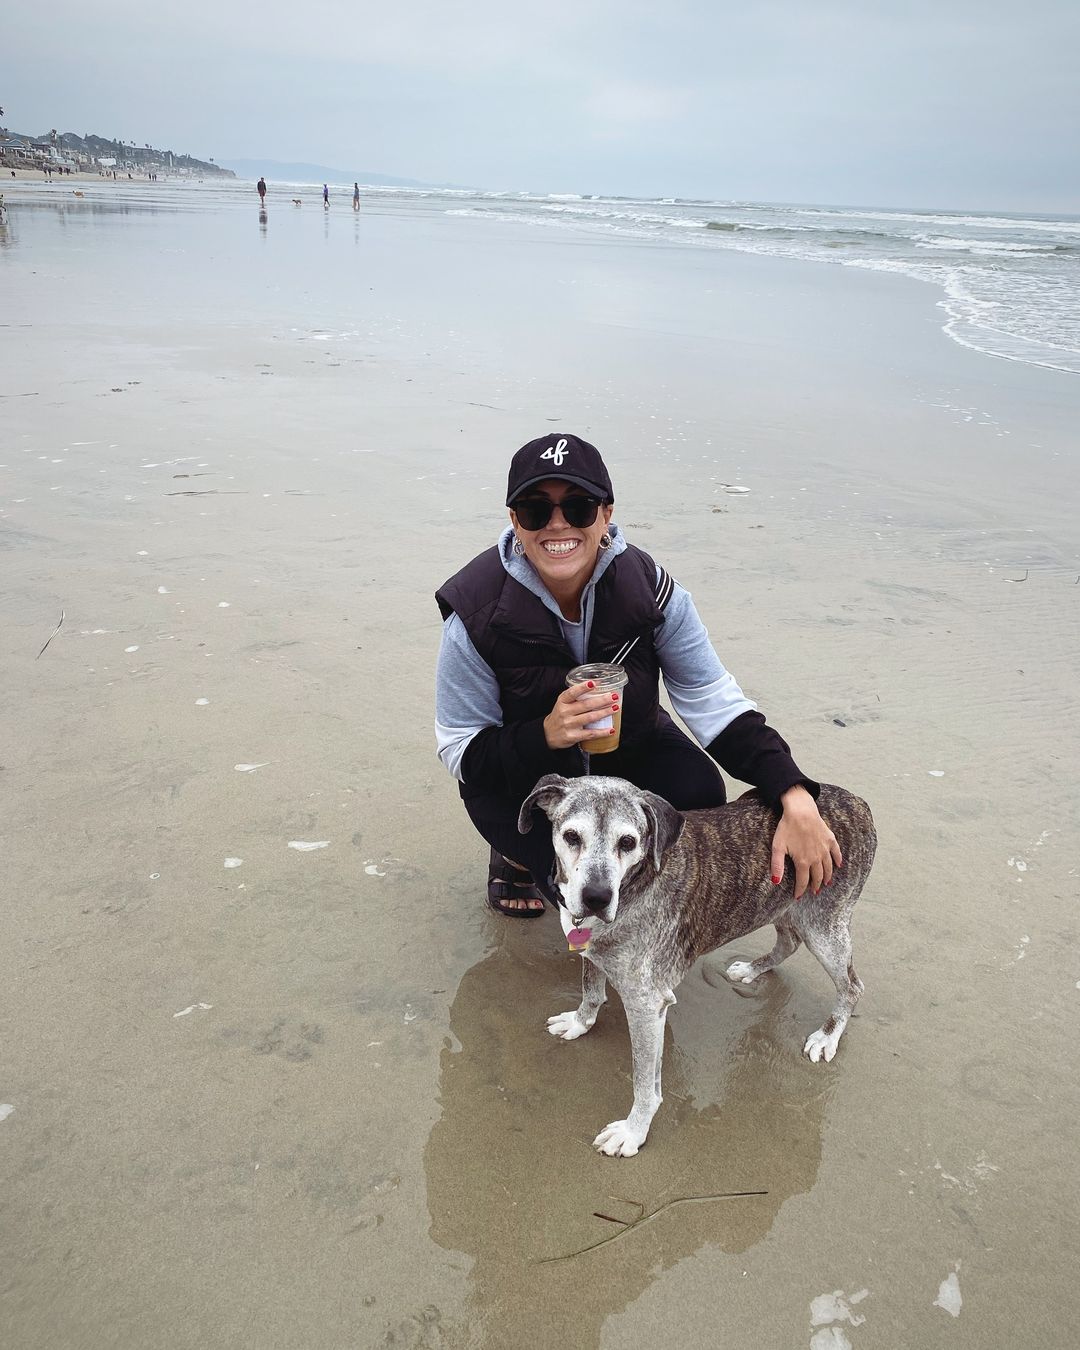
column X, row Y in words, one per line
column 606, row 680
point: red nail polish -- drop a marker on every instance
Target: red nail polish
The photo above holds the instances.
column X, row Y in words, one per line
column 590, row 684
column 776, row 881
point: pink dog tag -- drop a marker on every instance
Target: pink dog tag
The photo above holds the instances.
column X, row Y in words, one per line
column 578, row 938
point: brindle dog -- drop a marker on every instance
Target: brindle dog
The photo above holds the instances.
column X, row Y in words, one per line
column 646, row 890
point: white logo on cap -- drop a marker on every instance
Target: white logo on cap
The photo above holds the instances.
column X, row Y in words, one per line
column 556, row 453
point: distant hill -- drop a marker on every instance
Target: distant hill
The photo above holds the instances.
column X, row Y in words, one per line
column 317, row 173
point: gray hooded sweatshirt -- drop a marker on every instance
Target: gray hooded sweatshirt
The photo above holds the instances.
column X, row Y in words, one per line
column 702, row 692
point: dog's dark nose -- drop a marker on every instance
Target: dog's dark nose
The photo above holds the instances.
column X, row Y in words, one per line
column 595, row 898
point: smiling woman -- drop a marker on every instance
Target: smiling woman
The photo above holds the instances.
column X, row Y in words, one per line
column 563, row 587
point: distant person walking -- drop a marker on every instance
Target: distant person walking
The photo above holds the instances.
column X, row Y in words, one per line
column 326, row 197
column 261, row 185
column 356, row 196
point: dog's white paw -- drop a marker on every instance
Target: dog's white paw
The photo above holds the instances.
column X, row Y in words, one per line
column 568, row 1025
column 821, row 1045
column 741, row 972
column 618, row 1140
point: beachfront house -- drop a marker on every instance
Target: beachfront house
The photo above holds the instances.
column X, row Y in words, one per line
column 16, row 152
column 50, row 156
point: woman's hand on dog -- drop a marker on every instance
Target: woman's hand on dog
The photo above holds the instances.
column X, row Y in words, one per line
column 565, row 724
column 804, row 837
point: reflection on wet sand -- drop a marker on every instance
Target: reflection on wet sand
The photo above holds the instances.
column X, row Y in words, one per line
column 512, row 1179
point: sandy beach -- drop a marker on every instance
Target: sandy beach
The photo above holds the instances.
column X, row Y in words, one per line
column 278, row 1096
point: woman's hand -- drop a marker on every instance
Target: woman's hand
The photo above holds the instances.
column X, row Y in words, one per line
column 565, row 724
column 804, row 837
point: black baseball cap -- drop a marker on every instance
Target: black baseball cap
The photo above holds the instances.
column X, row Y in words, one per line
column 567, row 458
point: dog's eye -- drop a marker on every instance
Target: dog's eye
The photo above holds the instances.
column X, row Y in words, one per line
column 572, row 838
column 627, row 844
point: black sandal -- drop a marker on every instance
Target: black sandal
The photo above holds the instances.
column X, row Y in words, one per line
column 504, row 884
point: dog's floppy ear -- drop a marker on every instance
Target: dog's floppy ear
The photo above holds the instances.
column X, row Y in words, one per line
column 548, row 792
column 665, row 824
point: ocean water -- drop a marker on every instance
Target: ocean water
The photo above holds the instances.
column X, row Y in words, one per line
column 1009, row 285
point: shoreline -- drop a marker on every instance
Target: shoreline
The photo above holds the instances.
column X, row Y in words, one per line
column 968, row 295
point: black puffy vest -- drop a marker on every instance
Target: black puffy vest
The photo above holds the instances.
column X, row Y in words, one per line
column 522, row 641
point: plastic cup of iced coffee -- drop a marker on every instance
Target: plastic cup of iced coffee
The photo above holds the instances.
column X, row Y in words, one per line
column 608, row 680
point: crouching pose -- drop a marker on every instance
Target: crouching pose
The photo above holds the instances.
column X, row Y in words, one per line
column 563, row 586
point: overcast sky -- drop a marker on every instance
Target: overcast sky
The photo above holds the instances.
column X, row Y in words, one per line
column 881, row 102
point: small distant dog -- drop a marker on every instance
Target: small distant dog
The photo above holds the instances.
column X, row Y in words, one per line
column 296, row 201
column 647, row 890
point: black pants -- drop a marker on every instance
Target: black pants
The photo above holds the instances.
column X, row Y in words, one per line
column 667, row 763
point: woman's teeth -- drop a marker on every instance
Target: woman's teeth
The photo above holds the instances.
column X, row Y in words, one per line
column 560, row 547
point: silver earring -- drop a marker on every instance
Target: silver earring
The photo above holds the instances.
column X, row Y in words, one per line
column 519, row 548
column 605, row 540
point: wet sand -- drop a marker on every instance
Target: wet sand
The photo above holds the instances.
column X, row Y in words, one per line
column 308, row 1099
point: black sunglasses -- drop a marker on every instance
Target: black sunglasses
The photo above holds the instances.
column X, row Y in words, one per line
column 533, row 513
